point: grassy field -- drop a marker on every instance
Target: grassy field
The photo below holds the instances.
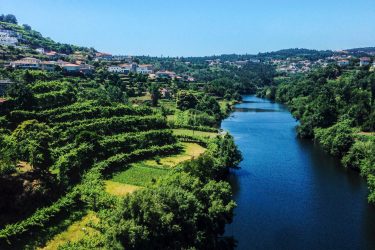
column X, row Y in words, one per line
column 139, row 174
column 169, row 104
column 119, row 189
column 367, row 133
column 74, row 232
column 194, row 132
column 170, row 118
column 146, row 172
column 191, row 150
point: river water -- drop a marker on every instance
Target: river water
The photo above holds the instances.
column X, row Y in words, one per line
column 290, row 194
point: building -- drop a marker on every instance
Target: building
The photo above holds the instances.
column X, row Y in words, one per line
column 86, row 69
column 26, row 63
column 116, row 69
column 52, row 55
column 48, row 65
column 103, row 56
column 145, row 69
column 122, row 58
column 343, row 63
column 254, row 60
column 71, row 68
column 165, row 93
column 165, row 74
column 40, row 50
column 364, row 61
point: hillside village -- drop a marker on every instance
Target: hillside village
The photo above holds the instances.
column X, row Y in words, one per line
column 85, row 62
column 20, row 48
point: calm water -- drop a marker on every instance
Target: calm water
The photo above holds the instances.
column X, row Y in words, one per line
column 290, row 194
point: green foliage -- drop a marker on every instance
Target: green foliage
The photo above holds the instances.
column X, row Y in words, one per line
column 155, row 94
column 226, row 150
column 9, row 18
column 357, row 154
column 186, row 100
column 325, row 96
column 30, row 142
column 337, row 139
column 367, row 163
column 140, row 175
column 180, row 212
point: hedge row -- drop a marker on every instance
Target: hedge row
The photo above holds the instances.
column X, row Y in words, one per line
column 43, row 216
column 203, row 141
column 43, row 87
column 126, row 142
column 39, row 219
column 198, row 128
column 109, row 126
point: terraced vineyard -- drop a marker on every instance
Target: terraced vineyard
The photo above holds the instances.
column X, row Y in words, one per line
column 82, row 157
column 82, row 138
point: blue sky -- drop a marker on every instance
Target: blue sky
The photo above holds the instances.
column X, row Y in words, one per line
column 200, row 27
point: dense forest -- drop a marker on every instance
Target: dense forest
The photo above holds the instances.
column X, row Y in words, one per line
column 336, row 107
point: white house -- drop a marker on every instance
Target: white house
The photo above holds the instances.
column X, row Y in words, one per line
column 145, row 69
column 117, row 69
column 40, row 50
column 364, row 61
column 70, row 67
column 343, row 63
column 26, row 63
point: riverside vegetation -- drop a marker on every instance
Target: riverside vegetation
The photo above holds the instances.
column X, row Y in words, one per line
column 336, row 107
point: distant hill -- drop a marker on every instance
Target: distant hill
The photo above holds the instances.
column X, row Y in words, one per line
column 308, row 54
column 366, row 50
column 34, row 39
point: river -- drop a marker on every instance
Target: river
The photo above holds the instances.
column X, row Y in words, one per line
column 290, row 194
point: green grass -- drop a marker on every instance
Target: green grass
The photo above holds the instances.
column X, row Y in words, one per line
column 169, row 104
column 119, row 189
column 191, row 150
column 139, row 174
column 75, row 232
column 148, row 171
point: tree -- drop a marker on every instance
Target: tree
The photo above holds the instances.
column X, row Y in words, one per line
column 10, row 19
column 209, row 105
column 337, row 139
column 180, row 213
column 155, row 94
column 26, row 27
column 229, row 153
column 186, row 100
column 30, row 142
column 115, row 94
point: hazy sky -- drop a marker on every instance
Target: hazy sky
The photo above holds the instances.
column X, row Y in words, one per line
column 200, row 27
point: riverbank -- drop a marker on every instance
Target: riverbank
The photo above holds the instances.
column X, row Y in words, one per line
column 290, row 193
